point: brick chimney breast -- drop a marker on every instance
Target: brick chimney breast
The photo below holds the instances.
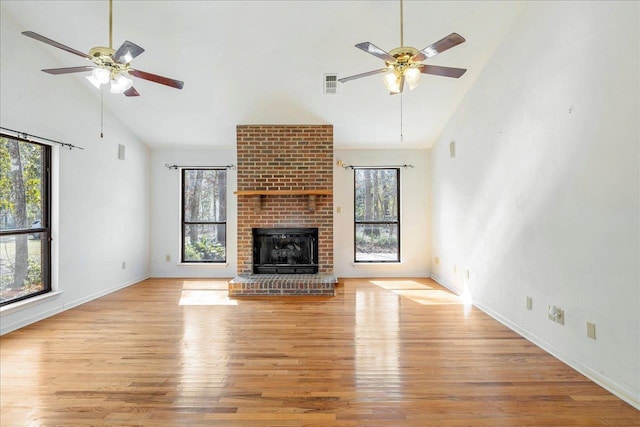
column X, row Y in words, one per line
column 285, row 158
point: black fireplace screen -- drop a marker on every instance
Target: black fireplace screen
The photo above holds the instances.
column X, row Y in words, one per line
column 285, row 250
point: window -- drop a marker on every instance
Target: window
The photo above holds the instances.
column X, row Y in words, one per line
column 204, row 215
column 377, row 215
column 25, row 234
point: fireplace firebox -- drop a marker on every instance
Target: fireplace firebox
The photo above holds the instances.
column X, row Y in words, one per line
column 285, row 250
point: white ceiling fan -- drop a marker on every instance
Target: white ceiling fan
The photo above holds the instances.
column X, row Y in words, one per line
column 109, row 66
column 405, row 62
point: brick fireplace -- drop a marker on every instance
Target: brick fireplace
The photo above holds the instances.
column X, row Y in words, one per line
column 285, row 180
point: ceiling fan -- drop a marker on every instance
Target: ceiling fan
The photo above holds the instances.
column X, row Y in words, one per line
column 405, row 62
column 109, row 65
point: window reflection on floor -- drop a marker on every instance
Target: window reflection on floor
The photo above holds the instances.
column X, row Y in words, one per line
column 376, row 341
column 204, row 346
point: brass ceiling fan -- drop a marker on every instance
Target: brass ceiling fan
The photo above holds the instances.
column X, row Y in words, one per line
column 405, row 62
column 109, row 65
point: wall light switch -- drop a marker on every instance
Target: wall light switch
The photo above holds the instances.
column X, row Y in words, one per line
column 436, row 260
column 339, row 209
column 168, row 258
column 529, row 303
column 591, row 330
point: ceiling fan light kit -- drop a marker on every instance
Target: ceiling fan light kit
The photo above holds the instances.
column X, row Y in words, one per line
column 98, row 77
column 120, row 84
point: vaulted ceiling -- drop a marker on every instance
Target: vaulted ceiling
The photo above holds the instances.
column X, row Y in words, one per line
column 252, row 62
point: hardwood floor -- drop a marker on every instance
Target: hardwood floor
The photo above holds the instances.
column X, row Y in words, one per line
column 383, row 352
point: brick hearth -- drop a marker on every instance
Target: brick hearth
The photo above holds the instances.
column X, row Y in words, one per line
column 284, row 158
column 283, row 284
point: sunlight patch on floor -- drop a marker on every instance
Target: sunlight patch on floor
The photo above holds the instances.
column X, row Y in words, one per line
column 400, row 284
column 430, row 297
column 206, row 292
column 206, row 297
column 217, row 285
column 419, row 292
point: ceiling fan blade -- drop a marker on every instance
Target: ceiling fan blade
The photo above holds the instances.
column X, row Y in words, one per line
column 54, row 43
column 442, row 71
column 131, row 92
column 126, row 52
column 68, row 70
column 358, row 76
column 440, row 46
column 375, row 51
column 156, row 78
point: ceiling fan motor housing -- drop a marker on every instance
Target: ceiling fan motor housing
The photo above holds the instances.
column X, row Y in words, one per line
column 103, row 58
column 404, row 57
column 404, row 53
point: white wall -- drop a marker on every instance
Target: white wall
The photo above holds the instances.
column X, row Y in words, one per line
column 101, row 204
column 542, row 199
column 415, row 238
column 165, row 208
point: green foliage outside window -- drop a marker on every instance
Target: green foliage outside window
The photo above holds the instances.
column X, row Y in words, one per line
column 204, row 249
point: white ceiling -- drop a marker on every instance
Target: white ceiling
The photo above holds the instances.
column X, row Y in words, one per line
column 252, row 62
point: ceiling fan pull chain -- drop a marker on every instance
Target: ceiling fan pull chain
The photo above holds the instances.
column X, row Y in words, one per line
column 101, row 112
column 401, row 135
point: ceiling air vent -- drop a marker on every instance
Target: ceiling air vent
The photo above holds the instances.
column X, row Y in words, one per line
column 330, row 83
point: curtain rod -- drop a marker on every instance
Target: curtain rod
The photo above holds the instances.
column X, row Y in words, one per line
column 340, row 163
column 168, row 166
column 30, row 138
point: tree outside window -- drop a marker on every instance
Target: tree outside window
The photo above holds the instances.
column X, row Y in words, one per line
column 377, row 214
column 204, row 215
column 24, row 219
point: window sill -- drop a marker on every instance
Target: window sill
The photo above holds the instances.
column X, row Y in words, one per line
column 375, row 264
column 203, row 264
column 21, row 305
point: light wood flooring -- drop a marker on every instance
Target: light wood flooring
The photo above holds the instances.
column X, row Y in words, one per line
column 383, row 352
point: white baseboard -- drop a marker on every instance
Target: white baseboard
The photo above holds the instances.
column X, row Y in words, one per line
column 12, row 326
column 104, row 292
column 625, row 393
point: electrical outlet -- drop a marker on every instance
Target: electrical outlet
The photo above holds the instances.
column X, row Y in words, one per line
column 529, row 303
column 124, row 265
column 556, row 314
column 591, row 330
column 436, row 260
column 167, row 258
